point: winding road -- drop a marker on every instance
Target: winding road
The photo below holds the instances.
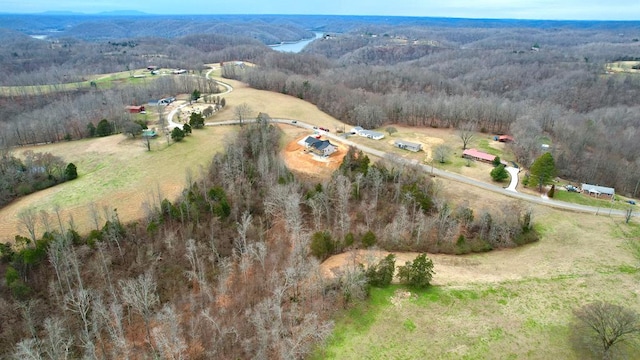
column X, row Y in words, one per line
column 509, row 191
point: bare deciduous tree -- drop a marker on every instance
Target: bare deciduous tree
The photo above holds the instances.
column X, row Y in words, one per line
column 467, row 132
column 242, row 112
column 608, row 326
column 167, row 334
column 28, row 220
column 140, row 294
column 441, row 153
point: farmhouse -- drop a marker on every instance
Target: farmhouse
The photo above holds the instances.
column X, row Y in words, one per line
column 371, row 134
column 135, row 109
column 319, row 147
column 179, row 71
column 597, row 191
column 406, row 145
column 474, row 154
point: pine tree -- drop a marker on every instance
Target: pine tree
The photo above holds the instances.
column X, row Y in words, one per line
column 542, row 171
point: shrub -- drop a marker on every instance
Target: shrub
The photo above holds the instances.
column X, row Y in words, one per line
column 499, row 173
column 418, row 272
column 381, row 274
column 369, row 239
column 322, row 245
column 71, row 171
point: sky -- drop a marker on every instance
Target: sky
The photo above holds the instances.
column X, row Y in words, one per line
column 495, row 9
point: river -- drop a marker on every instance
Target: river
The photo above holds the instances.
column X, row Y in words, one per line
column 296, row 46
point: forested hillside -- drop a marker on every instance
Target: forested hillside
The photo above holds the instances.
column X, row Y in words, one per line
column 231, row 268
column 542, row 85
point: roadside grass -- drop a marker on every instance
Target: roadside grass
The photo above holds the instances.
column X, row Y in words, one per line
column 578, row 198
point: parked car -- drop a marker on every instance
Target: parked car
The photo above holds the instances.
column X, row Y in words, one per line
column 315, row 127
column 324, row 129
column 632, row 202
column 294, row 121
column 571, row 188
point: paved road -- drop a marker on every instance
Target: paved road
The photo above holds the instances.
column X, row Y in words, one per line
column 509, row 191
column 172, row 113
column 449, row 175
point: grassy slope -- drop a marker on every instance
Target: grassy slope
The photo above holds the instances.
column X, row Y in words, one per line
column 522, row 317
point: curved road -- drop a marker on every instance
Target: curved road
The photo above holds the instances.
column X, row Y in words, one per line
column 509, row 191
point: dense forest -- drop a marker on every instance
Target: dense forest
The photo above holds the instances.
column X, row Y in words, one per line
column 241, row 247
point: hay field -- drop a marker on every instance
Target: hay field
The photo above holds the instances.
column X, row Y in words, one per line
column 117, row 172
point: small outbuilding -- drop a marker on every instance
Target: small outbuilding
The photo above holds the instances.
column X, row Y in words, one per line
column 505, row 138
column 135, row 109
column 406, row 145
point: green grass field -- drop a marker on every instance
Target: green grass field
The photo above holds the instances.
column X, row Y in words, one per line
column 578, row 198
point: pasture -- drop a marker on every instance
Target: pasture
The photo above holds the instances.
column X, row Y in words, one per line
column 507, row 304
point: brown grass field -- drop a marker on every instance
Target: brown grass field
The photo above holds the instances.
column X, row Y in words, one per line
column 506, row 304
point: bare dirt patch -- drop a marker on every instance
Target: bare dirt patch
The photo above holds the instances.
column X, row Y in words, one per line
column 299, row 160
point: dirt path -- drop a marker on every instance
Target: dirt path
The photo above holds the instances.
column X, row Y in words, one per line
column 571, row 246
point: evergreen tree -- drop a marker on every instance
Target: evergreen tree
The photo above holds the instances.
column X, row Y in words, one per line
column 104, row 128
column 177, row 134
column 71, row 172
column 196, row 120
column 418, row 272
column 499, row 173
column 542, row 171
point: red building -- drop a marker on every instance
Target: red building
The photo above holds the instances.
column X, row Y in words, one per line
column 135, row 109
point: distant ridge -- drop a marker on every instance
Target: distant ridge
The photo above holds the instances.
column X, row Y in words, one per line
column 123, row 13
column 53, row 12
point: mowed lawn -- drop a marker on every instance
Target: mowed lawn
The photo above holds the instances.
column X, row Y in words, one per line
column 508, row 304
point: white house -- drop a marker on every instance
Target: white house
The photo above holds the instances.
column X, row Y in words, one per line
column 406, row 145
column 371, row 134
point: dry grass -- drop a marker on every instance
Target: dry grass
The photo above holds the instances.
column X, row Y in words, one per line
column 512, row 303
column 118, row 172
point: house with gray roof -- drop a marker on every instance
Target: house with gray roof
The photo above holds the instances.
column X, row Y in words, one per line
column 598, row 191
column 320, row 147
column 407, row 145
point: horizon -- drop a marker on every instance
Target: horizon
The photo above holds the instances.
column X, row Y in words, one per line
column 145, row 13
column 568, row 10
